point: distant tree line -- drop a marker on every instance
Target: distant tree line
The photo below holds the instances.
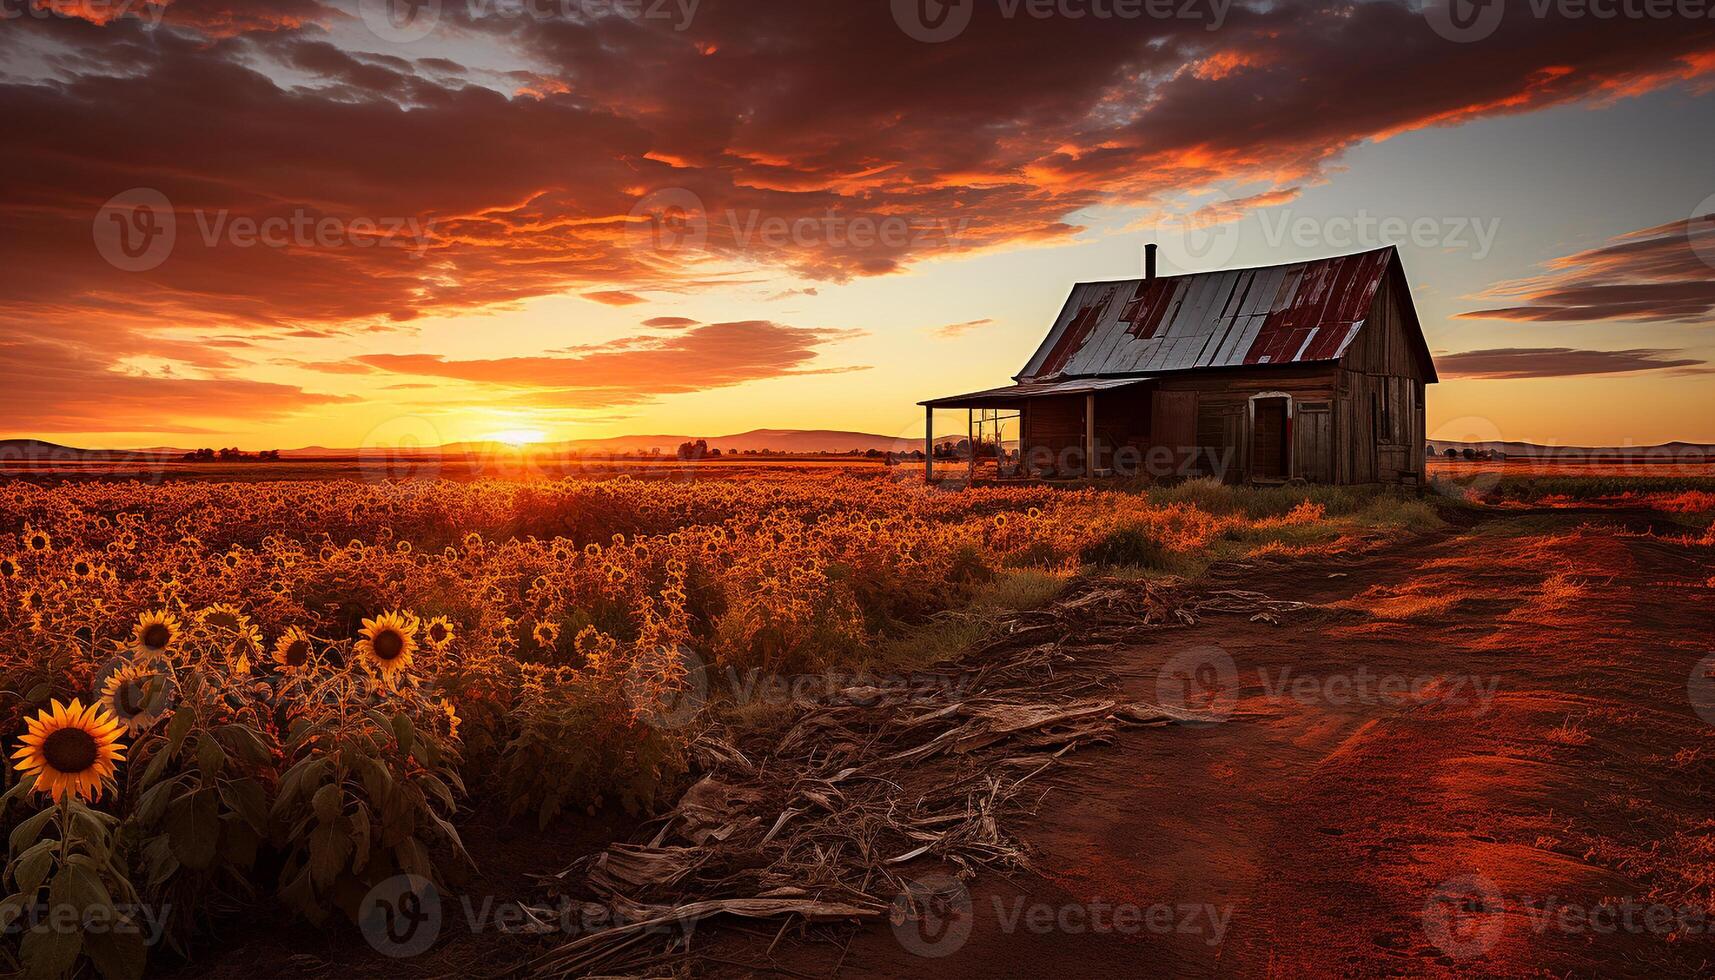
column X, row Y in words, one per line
column 232, row 455
column 1466, row 453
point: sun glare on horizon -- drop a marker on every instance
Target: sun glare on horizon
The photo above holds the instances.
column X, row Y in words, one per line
column 517, row 437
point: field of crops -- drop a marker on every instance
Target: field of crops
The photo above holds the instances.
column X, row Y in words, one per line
column 224, row 697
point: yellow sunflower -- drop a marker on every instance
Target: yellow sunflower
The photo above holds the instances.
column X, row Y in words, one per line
column 70, row 749
column 135, row 696
column 36, row 540
column 388, row 643
column 292, row 650
column 155, row 633
column 9, row 567
column 439, row 633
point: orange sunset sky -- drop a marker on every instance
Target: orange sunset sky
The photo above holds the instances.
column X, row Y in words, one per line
column 293, row 222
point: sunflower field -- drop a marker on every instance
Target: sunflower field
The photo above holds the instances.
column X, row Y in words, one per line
column 225, row 696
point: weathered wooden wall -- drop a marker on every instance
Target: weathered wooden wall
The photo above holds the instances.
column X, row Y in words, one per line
column 1360, row 420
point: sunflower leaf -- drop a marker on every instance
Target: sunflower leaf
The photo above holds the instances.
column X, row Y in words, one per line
column 178, row 729
column 49, row 952
column 193, row 826
column 32, row 866
column 25, row 834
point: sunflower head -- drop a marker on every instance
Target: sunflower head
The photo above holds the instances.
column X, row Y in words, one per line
column 439, row 633
column 292, row 651
column 226, row 617
column 71, row 750
column 387, row 643
column 36, row 539
column 135, row 696
column 155, row 633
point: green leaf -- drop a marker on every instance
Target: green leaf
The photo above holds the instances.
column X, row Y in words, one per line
column 25, row 834
column 247, row 745
column 79, row 886
column 49, row 953
column 329, row 849
column 153, row 803
column 193, row 827
column 403, row 732
column 178, row 729
column 211, row 759
column 157, row 765
column 247, row 798
column 32, row 866
column 329, row 801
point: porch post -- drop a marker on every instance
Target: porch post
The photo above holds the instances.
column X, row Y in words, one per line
column 928, row 443
column 971, row 439
column 1090, row 434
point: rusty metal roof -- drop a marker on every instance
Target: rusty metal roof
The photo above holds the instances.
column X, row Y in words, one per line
column 1295, row 313
column 1008, row 394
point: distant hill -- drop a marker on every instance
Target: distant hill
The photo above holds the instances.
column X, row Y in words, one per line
column 1531, row 449
column 38, row 451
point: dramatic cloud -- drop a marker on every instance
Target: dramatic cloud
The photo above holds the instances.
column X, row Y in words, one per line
column 636, row 369
column 1560, row 362
column 1665, row 273
column 47, row 387
column 268, row 170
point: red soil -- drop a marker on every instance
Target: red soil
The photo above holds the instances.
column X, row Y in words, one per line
column 1345, row 835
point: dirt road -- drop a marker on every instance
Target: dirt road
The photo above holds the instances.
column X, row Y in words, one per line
column 1480, row 755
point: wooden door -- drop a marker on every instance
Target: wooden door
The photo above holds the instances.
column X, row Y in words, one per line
column 1313, row 442
column 1269, row 452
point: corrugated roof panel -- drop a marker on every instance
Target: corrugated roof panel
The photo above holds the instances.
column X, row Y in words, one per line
column 1293, row 313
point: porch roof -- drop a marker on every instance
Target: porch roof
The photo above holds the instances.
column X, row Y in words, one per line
column 1009, row 395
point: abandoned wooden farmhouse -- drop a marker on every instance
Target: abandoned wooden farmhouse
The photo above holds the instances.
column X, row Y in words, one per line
column 1308, row 370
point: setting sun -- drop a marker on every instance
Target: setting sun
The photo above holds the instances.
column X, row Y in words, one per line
column 517, row 437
